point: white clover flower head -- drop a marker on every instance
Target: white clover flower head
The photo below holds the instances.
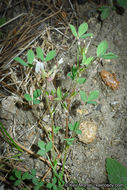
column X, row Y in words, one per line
column 84, row 42
column 79, row 42
column 39, row 66
column 60, row 61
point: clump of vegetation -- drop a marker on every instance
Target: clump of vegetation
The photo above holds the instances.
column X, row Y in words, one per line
column 39, row 62
column 106, row 9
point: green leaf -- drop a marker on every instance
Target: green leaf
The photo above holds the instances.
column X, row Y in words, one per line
column 37, row 93
column 26, row 175
column 54, row 180
column 73, row 94
column 41, row 145
column 49, row 185
column 56, row 129
column 73, row 30
column 18, row 174
column 65, row 95
column 87, row 35
column 37, row 187
column 35, row 101
column 27, row 97
column 69, row 141
column 89, row 60
column 54, row 187
column 65, row 105
column 92, row 102
column 102, row 48
column 12, row 178
column 33, row 172
column 35, row 181
column 117, row 173
column 59, row 93
column 40, row 54
column 84, row 58
column 48, row 146
column 82, row 29
column 69, row 75
column 2, row 21
column 93, row 95
column 76, row 125
column 83, row 96
column 71, row 127
column 105, row 13
column 50, row 55
column 30, row 65
column 30, row 56
column 40, row 184
column 21, row 61
column 8, row 138
column 74, row 72
column 109, row 56
column 41, row 152
column 102, row 8
column 81, row 80
column 17, row 182
column 78, row 131
column 57, row 99
column 122, row 3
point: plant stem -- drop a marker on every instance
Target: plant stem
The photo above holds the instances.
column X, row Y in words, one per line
column 49, row 108
column 64, row 161
column 78, row 56
column 67, row 116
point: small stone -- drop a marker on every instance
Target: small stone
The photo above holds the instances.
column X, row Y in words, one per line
column 8, row 108
column 89, row 131
column 82, row 111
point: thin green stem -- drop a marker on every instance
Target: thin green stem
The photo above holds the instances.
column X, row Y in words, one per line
column 78, row 50
column 51, row 115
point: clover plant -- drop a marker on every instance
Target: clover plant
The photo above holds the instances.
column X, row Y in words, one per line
column 39, row 61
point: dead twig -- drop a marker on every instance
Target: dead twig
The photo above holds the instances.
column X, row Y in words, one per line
column 11, row 20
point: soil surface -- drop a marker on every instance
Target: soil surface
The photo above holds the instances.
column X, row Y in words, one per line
column 86, row 160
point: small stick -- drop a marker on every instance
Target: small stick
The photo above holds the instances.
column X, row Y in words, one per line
column 47, row 173
column 32, row 153
column 11, row 20
column 72, row 7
